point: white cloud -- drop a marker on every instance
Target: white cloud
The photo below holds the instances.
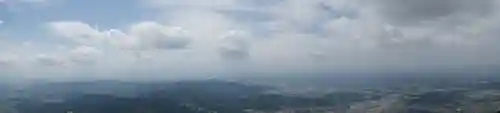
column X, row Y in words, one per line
column 50, row 60
column 123, row 40
column 84, row 55
column 8, row 61
column 304, row 36
column 344, row 29
column 202, row 23
column 298, row 14
column 234, row 46
column 143, row 35
column 160, row 36
column 78, row 32
column 361, row 36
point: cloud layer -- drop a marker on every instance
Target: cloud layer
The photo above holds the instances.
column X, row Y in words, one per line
column 272, row 36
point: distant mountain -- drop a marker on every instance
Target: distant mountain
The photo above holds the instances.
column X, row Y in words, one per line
column 172, row 97
column 105, row 104
column 398, row 95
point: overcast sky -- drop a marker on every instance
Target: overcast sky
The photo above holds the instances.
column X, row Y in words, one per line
column 178, row 38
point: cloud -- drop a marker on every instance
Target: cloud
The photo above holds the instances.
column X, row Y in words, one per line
column 8, row 61
column 50, row 60
column 447, row 12
column 361, row 35
column 234, row 46
column 318, row 55
column 293, row 36
column 346, row 30
column 123, row 41
column 160, row 36
column 299, row 11
column 146, row 35
column 84, row 55
column 299, row 15
column 202, row 23
column 78, row 32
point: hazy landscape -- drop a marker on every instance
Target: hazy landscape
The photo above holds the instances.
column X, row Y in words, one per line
column 251, row 95
column 249, row 56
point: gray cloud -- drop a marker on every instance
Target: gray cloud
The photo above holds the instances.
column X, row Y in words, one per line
column 8, row 61
column 160, row 36
column 285, row 36
column 233, row 54
column 50, row 61
column 172, row 42
column 234, row 46
column 84, row 55
column 417, row 11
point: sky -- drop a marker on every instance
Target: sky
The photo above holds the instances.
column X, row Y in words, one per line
column 198, row 38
